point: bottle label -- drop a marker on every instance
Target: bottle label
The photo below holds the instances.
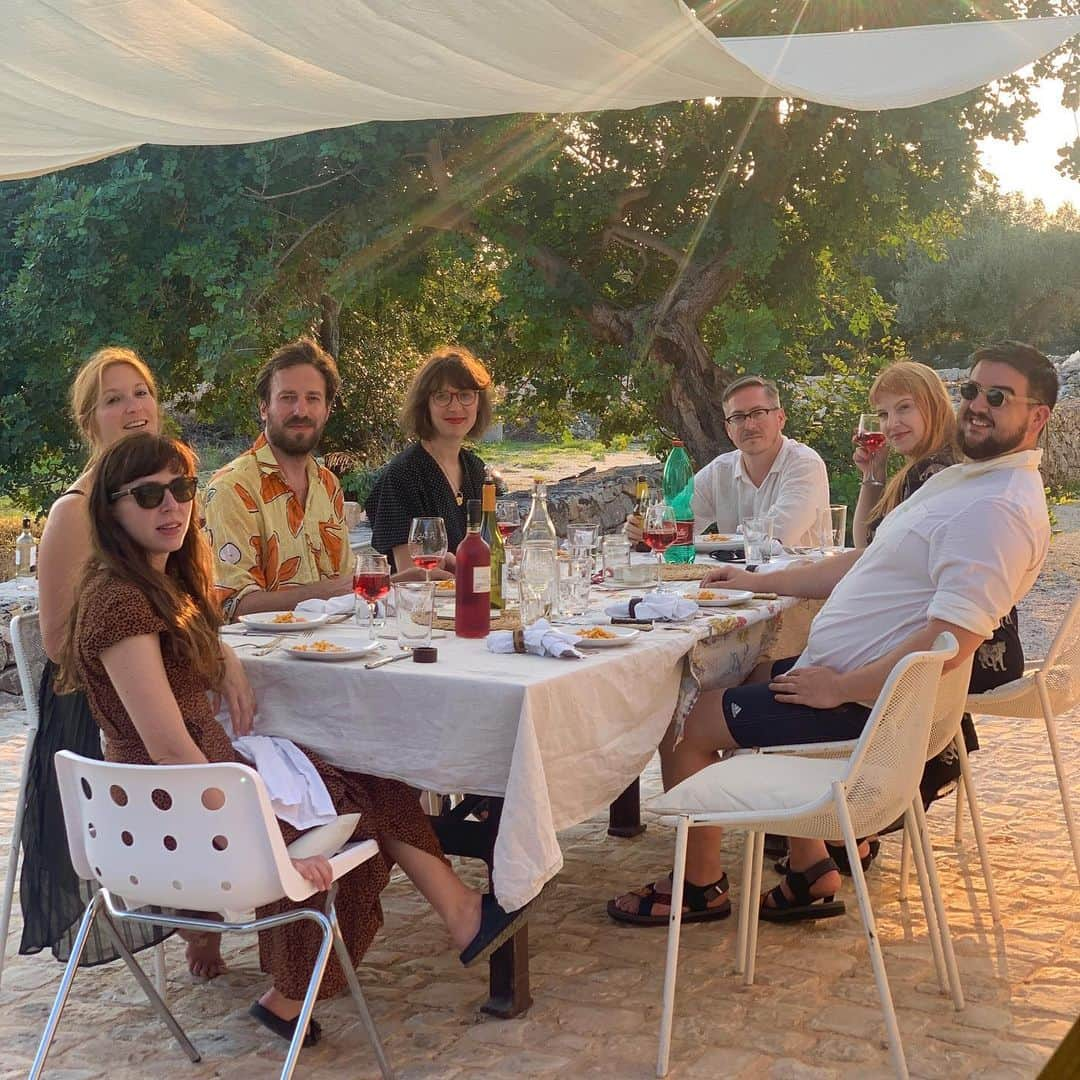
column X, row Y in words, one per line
column 481, row 579
column 684, row 532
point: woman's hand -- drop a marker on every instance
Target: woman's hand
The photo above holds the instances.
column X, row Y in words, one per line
column 237, row 693
column 732, row 577
column 315, row 869
column 818, row 687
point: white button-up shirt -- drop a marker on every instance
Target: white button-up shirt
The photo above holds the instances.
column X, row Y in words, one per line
column 964, row 548
column 795, row 489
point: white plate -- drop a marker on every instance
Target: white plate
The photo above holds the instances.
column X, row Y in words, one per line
column 351, row 650
column 447, row 594
column 703, row 546
column 721, row 598
column 264, row 620
column 623, row 636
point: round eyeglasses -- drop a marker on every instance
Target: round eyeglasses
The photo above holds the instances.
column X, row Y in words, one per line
column 442, row 398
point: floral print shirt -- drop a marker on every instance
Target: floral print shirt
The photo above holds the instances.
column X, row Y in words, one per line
column 260, row 535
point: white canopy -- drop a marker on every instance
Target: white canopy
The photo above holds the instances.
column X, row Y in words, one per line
column 82, row 79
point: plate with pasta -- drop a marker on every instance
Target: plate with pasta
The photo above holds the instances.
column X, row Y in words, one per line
column 282, row 622
column 330, row 649
column 710, row 597
column 605, row 637
column 712, row 541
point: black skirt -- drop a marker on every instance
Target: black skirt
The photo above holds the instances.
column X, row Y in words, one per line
column 52, row 896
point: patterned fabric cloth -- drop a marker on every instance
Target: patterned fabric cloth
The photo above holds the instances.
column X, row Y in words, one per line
column 260, row 535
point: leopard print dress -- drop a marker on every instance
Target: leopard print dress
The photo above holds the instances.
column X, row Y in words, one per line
column 111, row 610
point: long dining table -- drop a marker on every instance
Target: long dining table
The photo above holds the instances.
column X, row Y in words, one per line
column 546, row 742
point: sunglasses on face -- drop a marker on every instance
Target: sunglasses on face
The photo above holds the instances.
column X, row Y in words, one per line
column 996, row 396
column 442, row 398
column 151, row 494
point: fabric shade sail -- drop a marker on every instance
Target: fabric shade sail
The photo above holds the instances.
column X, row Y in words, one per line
column 82, row 79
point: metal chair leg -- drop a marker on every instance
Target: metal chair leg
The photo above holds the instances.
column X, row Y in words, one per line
column 958, row 821
column 60, row 1000
column 905, row 863
column 877, row 961
column 16, row 844
column 678, row 879
column 911, row 828
column 1062, row 776
column 755, row 908
column 976, row 827
column 744, row 902
column 314, row 983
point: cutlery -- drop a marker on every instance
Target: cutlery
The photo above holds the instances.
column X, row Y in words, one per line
column 406, row 655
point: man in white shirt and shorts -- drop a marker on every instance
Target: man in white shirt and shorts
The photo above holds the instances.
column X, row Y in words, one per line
column 766, row 474
column 956, row 556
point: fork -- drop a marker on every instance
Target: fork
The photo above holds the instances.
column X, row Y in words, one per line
column 269, row 647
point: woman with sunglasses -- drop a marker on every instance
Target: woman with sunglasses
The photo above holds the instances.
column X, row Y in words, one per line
column 143, row 645
column 448, row 402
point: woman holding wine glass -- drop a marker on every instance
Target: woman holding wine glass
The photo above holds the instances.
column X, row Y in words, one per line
column 448, row 402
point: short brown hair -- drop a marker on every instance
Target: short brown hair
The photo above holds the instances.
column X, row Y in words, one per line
column 86, row 389
column 745, row 381
column 301, row 351
column 448, row 367
column 1041, row 375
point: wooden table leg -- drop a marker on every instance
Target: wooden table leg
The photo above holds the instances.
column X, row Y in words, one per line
column 508, row 978
column 624, row 814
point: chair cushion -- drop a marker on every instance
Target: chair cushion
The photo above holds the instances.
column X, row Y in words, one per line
column 325, row 839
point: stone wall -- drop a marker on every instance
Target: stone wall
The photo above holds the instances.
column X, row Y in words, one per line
column 1061, row 461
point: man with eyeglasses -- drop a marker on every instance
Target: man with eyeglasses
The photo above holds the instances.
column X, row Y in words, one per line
column 275, row 517
column 956, row 556
column 766, row 474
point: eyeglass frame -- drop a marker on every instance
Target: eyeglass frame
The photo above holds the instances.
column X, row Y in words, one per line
column 1006, row 393
column 738, row 419
column 451, row 395
column 151, row 485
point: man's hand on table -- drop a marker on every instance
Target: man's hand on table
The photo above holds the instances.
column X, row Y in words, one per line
column 732, row 577
column 818, row 687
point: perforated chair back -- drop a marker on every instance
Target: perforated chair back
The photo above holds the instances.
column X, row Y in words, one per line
column 949, row 707
column 29, row 661
column 150, row 834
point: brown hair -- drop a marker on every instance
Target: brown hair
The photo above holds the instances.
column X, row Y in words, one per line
column 1041, row 375
column 936, row 409
column 744, row 381
column 86, row 389
column 301, row 351
column 183, row 595
column 449, row 367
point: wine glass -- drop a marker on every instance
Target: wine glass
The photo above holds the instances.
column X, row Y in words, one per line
column 507, row 517
column 537, row 572
column 872, row 439
column 659, row 533
column 427, row 543
column 371, row 582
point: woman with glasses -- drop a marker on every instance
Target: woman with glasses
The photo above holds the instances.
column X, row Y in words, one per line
column 448, row 403
column 143, row 646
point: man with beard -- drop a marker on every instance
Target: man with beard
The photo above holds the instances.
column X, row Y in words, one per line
column 956, row 556
column 275, row 517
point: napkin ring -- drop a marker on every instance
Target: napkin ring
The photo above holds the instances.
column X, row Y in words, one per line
column 519, row 639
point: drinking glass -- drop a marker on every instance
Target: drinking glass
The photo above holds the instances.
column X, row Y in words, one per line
column 414, row 602
column 507, row 517
column 872, row 439
column 427, row 543
column 757, row 535
column 371, row 582
column 583, row 536
column 575, row 578
column 837, row 532
column 536, row 576
column 615, row 555
column 659, row 533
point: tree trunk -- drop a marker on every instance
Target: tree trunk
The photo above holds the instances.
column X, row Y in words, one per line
column 329, row 330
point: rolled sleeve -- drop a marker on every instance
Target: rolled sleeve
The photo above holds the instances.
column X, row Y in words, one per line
column 232, row 520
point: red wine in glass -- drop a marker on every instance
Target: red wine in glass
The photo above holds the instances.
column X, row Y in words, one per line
column 426, row 562
column 371, row 587
column 506, row 528
column 870, row 441
column 660, row 540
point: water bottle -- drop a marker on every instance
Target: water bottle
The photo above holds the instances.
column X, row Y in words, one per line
column 679, row 494
column 539, row 528
column 25, row 551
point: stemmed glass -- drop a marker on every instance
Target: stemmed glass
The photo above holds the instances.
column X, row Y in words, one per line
column 659, row 533
column 507, row 517
column 538, row 571
column 872, row 439
column 371, row 582
column 427, row 543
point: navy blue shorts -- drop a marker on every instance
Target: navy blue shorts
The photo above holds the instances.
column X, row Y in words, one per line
column 755, row 718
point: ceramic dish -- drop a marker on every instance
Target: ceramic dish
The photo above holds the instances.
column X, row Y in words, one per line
column 709, row 542
column 340, row 649
column 718, row 597
column 276, row 621
column 620, row 635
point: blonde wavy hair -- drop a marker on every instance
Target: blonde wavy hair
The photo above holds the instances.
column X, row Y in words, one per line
column 924, row 385
column 86, row 389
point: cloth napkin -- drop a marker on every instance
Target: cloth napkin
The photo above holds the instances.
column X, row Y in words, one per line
column 297, row 792
column 661, row 607
column 337, row 605
column 540, row 639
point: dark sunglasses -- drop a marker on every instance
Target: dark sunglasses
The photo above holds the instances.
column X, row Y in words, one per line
column 151, row 494
column 996, row 396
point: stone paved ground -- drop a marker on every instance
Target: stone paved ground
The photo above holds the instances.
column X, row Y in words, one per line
column 812, row 1014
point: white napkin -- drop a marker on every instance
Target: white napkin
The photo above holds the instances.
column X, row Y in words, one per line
column 663, row 607
column 541, row 639
column 297, row 792
column 337, row 605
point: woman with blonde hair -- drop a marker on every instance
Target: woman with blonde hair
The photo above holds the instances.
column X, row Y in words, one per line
column 448, row 402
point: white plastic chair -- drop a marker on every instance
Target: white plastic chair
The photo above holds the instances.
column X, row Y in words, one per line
column 1046, row 690
column 30, row 663
column 823, row 798
column 203, row 837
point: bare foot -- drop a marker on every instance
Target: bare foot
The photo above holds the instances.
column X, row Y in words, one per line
column 204, row 959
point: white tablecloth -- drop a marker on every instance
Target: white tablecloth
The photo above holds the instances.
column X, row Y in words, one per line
column 560, row 739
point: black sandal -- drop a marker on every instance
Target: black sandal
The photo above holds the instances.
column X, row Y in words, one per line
column 804, row 906
column 497, row 925
column 838, row 853
column 285, row 1029
column 696, row 908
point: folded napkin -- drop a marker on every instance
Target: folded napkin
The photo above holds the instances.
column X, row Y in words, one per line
column 540, row 639
column 661, row 607
column 337, row 605
column 297, row 792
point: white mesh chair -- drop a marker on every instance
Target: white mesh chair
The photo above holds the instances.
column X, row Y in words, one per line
column 203, row 837
column 1046, row 690
column 823, row 798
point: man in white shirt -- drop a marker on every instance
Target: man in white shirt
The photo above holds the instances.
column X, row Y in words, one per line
column 956, row 556
column 766, row 474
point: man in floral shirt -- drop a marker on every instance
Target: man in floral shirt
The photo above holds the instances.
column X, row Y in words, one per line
column 274, row 516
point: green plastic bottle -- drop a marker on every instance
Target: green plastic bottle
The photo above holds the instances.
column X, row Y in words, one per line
column 679, row 495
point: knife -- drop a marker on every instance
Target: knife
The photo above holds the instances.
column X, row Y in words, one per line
column 407, row 655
